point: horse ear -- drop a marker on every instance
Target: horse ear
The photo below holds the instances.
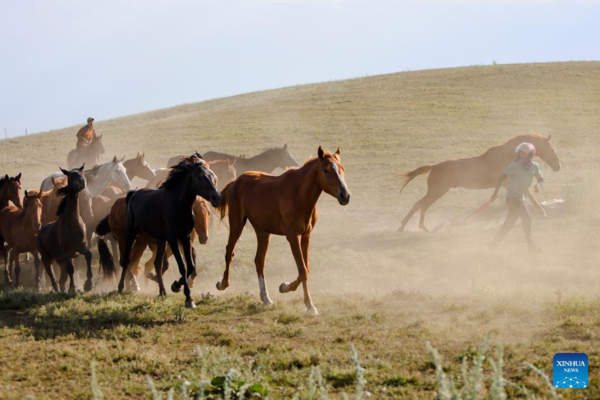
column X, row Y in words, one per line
column 144, row 154
column 6, row 176
column 122, row 159
column 138, row 155
column 18, row 178
column 338, row 152
column 53, row 180
column 64, row 171
column 321, row 153
column 114, row 159
column 26, row 194
column 285, row 146
column 81, row 169
column 549, row 137
column 100, row 137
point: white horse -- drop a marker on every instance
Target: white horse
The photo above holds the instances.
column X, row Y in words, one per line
column 99, row 177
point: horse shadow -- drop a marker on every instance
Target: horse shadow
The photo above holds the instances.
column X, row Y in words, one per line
column 53, row 315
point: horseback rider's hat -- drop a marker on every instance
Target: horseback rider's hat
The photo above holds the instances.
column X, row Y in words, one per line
column 90, row 119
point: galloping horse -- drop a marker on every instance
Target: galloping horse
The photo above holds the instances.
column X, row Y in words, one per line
column 62, row 239
column 267, row 161
column 19, row 228
column 283, row 205
column 99, row 177
column 116, row 223
column 166, row 215
column 479, row 172
column 89, row 155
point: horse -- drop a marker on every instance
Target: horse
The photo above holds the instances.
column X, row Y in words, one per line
column 166, row 215
column 284, row 205
column 480, row 172
column 64, row 238
column 10, row 190
column 116, row 222
column 99, row 177
column 19, row 228
column 267, row 161
column 89, row 154
column 138, row 167
column 224, row 169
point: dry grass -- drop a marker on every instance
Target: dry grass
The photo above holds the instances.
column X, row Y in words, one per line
column 385, row 292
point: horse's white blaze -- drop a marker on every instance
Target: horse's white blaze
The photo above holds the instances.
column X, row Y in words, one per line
column 337, row 172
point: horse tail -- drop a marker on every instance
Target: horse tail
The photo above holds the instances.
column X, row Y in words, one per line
column 107, row 264
column 225, row 198
column 103, row 227
column 406, row 177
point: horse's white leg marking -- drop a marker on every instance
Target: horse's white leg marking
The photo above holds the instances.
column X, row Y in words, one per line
column 264, row 292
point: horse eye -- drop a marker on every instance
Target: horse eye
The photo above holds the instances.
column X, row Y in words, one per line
column 326, row 170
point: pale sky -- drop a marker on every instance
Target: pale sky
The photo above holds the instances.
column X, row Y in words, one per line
column 62, row 61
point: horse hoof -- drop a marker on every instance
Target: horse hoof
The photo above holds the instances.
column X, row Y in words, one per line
column 176, row 287
column 190, row 304
column 134, row 286
column 221, row 286
column 88, row 286
column 152, row 277
column 266, row 301
column 284, row 287
column 312, row 310
column 72, row 290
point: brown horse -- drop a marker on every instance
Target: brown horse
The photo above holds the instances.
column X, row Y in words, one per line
column 479, row 172
column 62, row 239
column 283, row 205
column 89, row 154
column 19, row 228
column 51, row 200
column 116, row 223
column 267, row 161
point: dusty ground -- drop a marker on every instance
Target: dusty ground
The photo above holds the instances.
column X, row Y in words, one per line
column 387, row 293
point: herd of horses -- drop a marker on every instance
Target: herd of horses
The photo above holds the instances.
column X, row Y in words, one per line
column 57, row 222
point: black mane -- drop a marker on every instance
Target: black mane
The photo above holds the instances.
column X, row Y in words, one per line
column 177, row 174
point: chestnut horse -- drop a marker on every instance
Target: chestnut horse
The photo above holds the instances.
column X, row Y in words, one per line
column 19, row 228
column 479, row 172
column 138, row 166
column 10, row 190
column 62, row 239
column 166, row 215
column 283, row 205
column 51, row 200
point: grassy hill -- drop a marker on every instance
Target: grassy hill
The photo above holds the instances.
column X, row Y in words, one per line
column 387, row 293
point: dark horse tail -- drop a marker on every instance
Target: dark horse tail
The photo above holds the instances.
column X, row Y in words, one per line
column 406, row 177
column 225, row 197
column 107, row 263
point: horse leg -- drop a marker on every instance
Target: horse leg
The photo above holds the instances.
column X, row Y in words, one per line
column 160, row 252
column 427, row 201
column 47, row 262
column 4, row 253
column 416, row 207
column 63, row 277
column 130, row 236
column 174, row 245
column 262, row 246
column 190, row 260
column 285, row 287
column 235, row 231
column 136, row 254
column 88, row 260
column 38, row 272
column 67, row 264
column 15, row 257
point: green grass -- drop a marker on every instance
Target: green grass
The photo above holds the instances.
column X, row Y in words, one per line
column 386, row 293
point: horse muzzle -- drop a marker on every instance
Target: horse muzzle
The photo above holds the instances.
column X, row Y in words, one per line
column 343, row 198
column 215, row 199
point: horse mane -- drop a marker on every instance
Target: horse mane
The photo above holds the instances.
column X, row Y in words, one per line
column 532, row 135
column 62, row 206
column 177, row 174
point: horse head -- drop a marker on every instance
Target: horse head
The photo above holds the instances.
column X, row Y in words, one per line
column 76, row 180
column 545, row 151
column 202, row 219
column 97, row 146
column 331, row 175
column 142, row 168
column 14, row 189
column 32, row 205
column 204, row 182
column 118, row 174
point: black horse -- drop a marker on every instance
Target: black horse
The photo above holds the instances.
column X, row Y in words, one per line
column 166, row 215
column 62, row 239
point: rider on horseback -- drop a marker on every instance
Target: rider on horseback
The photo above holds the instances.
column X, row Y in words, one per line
column 86, row 134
